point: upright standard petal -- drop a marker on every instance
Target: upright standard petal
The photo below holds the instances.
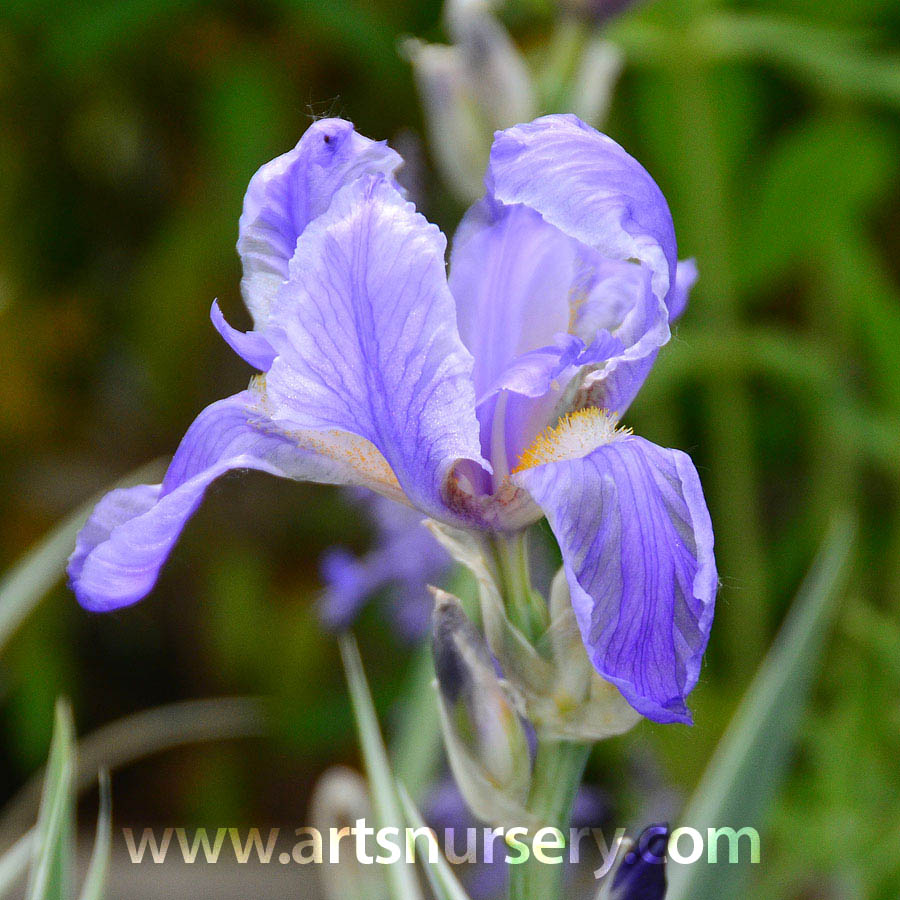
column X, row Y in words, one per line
column 121, row 549
column 620, row 300
column 574, row 227
column 512, row 276
column 367, row 343
column 586, row 185
column 289, row 192
column 637, row 547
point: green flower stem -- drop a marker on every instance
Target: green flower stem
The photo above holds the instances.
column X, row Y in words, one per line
column 559, row 765
column 525, row 608
column 558, row 769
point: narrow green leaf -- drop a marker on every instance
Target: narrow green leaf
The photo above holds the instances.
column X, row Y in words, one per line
column 23, row 586
column 94, row 886
column 385, row 800
column 14, row 863
column 52, row 859
column 135, row 737
column 738, row 785
column 440, row 875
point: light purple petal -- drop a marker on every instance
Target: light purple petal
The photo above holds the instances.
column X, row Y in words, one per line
column 620, row 300
column 511, row 275
column 637, row 547
column 289, row 192
column 574, row 236
column 251, row 346
column 534, row 374
column 121, row 549
column 367, row 340
column 685, row 278
column 587, row 186
column 536, row 384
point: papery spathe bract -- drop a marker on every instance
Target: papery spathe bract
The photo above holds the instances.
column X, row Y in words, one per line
column 582, row 706
column 485, row 401
column 485, row 740
column 552, row 680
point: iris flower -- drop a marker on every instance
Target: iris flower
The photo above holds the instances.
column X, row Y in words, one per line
column 485, row 399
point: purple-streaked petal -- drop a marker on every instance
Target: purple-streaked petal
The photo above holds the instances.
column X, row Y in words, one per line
column 616, row 330
column 534, row 374
column 588, row 187
column 685, row 278
column 637, row 546
column 365, row 331
column 511, row 275
column 289, row 192
column 573, row 230
column 251, row 346
column 121, row 549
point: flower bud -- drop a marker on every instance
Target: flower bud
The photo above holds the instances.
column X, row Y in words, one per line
column 456, row 127
column 469, row 89
column 485, row 740
column 497, row 72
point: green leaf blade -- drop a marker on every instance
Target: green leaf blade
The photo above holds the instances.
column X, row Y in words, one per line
column 52, row 860
column 385, row 799
column 444, row 883
column 94, row 886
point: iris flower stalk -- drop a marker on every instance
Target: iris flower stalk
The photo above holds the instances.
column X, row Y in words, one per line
column 486, row 398
column 482, row 82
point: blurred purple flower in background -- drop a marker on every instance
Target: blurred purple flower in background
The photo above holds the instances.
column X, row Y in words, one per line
column 403, row 560
column 485, row 401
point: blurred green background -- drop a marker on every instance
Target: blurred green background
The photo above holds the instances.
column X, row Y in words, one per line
column 128, row 132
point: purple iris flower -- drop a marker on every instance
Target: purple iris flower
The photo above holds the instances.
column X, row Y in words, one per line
column 485, row 400
column 403, row 560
